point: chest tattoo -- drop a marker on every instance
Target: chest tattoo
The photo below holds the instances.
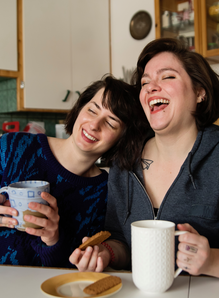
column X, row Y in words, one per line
column 146, row 163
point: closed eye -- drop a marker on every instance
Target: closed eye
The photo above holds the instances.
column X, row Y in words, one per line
column 169, row 77
column 110, row 124
column 92, row 111
column 143, row 84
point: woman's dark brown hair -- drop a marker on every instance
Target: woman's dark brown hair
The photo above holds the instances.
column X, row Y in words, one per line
column 122, row 100
column 198, row 69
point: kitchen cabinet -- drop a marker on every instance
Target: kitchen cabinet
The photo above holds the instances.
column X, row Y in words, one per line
column 47, row 54
column 66, row 47
column 194, row 21
column 8, row 35
column 63, row 46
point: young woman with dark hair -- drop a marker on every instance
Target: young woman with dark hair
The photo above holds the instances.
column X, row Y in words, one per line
column 99, row 125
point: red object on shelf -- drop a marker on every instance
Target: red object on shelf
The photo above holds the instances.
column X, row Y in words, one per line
column 15, row 126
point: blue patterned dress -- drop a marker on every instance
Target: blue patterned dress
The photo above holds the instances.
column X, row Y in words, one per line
column 81, row 201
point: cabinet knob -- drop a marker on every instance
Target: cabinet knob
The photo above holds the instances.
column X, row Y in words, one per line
column 22, row 84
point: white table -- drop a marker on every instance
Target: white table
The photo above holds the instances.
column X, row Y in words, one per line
column 24, row 282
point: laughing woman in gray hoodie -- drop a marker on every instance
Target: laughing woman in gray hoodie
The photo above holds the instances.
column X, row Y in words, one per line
column 176, row 177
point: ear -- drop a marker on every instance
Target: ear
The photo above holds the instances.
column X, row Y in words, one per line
column 201, row 95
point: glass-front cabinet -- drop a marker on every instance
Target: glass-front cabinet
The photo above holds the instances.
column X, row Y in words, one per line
column 196, row 22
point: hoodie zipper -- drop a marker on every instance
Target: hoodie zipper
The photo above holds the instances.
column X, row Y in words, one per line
column 155, row 217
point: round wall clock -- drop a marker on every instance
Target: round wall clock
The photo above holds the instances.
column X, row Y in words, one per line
column 140, row 24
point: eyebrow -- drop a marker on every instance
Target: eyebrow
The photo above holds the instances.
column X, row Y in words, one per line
column 99, row 108
column 145, row 75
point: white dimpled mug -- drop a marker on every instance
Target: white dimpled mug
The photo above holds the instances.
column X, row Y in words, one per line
column 153, row 255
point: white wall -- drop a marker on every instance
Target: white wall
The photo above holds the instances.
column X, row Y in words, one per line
column 125, row 49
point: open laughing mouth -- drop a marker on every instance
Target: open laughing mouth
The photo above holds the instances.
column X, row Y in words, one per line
column 158, row 104
column 89, row 136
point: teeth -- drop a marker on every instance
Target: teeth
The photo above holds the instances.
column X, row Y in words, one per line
column 155, row 101
column 88, row 136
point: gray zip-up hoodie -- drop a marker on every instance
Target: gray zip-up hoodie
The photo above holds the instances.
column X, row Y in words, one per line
column 192, row 198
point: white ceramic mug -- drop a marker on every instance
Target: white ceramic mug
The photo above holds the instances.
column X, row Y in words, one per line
column 153, row 255
column 21, row 194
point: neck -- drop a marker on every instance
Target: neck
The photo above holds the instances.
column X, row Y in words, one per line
column 173, row 146
column 72, row 159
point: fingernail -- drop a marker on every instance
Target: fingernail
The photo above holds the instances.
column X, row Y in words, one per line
column 14, row 212
column 13, row 222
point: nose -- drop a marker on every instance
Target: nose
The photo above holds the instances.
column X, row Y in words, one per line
column 95, row 124
column 152, row 86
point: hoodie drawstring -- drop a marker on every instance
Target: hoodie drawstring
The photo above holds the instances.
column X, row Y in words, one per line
column 189, row 169
column 127, row 202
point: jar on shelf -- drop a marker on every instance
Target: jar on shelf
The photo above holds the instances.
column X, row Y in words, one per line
column 166, row 20
column 175, row 21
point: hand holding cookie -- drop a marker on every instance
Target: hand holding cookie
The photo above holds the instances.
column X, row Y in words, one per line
column 91, row 256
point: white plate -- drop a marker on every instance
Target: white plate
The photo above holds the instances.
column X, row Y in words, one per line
column 72, row 285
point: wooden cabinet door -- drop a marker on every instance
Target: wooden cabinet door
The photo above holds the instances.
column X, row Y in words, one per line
column 179, row 19
column 209, row 26
column 206, row 24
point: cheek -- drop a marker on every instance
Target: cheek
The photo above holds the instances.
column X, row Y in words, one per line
column 114, row 137
column 143, row 98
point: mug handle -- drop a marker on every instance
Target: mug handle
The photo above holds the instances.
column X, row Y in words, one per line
column 178, row 270
column 4, row 189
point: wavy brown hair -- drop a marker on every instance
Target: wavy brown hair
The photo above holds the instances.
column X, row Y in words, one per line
column 200, row 72
column 122, row 100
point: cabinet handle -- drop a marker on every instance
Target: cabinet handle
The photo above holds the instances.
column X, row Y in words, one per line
column 66, row 97
column 78, row 93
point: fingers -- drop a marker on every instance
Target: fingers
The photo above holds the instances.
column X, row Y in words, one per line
column 8, row 211
column 76, row 256
column 194, row 254
column 92, row 261
column 87, row 260
column 50, row 225
column 8, row 222
column 5, row 209
column 100, row 265
column 187, row 227
column 49, row 198
column 85, row 239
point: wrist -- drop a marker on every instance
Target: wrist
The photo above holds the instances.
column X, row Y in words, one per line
column 111, row 252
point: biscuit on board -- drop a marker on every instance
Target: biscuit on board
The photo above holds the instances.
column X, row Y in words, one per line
column 102, row 285
column 95, row 239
